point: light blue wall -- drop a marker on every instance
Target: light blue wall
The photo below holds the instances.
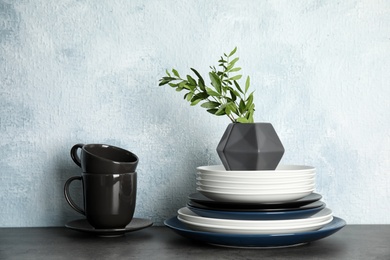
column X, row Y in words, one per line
column 87, row 71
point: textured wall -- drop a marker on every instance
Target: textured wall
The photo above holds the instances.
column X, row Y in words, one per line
column 87, row 71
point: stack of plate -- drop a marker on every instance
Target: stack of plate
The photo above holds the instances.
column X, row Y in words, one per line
column 286, row 183
column 255, row 208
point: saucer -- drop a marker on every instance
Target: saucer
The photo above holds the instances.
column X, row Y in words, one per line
column 82, row 225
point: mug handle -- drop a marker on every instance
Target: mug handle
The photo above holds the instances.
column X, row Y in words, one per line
column 74, row 155
column 67, row 194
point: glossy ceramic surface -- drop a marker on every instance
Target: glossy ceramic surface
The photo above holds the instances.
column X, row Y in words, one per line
column 255, row 240
column 250, row 197
column 82, row 225
column 207, row 202
column 276, row 179
column 104, row 159
column 321, row 216
column 249, row 230
column 259, row 215
column 257, row 184
column 109, row 199
column 258, row 190
column 281, row 170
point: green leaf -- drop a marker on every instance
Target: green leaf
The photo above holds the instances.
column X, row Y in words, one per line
column 247, row 84
column 249, row 115
column 235, row 69
column 195, row 102
column 189, row 96
column 238, row 86
column 242, row 120
column 168, row 78
column 234, row 91
column 241, row 106
column 232, row 52
column 164, row 82
column 212, row 110
column 200, row 95
column 216, row 81
column 175, row 73
column 221, row 110
column 237, row 77
column 249, row 101
column 191, row 80
column 167, row 72
column 228, row 111
column 233, row 95
column 230, row 107
column 212, row 92
column 210, row 104
column 234, row 61
column 183, row 84
column 201, row 83
column 196, row 73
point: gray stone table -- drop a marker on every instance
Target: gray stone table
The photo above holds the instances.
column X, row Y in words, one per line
column 353, row 242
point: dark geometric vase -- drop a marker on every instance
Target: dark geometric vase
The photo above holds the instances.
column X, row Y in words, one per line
column 248, row 147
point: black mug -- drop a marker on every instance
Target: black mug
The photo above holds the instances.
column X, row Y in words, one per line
column 109, row 199
column 102, row 158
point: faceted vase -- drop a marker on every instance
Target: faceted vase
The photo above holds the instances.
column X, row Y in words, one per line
column 248, row 147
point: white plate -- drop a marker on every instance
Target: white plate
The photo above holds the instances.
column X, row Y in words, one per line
column 281, row 170
column 255, row 178
column 188, row 215
column 254, row 197
column 240, row 230
column 265, row 183
column 257, row 189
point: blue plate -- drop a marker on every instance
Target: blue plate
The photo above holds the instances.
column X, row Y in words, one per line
column 255, row 241
column 253, row 215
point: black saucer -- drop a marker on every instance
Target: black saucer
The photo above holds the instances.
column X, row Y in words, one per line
column 199, row 200
column 82, row 225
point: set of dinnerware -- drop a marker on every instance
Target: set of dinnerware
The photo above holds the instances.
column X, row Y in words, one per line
column 275, row 208
column 109, row 184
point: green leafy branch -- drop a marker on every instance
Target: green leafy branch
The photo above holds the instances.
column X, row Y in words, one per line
column 223, row 97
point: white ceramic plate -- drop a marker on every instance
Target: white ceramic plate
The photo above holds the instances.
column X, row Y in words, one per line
column 188, row 215
column 250, row 230
column 257, row 189
column 262, row 183
column 254, row 197
column 281, row 170
column 256, row 178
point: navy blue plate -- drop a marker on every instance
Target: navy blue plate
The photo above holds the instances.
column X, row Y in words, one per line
column 256, row 215
column 255, row 241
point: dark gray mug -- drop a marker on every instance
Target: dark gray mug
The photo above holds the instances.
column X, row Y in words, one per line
column 102, row 158
column 109, row 199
